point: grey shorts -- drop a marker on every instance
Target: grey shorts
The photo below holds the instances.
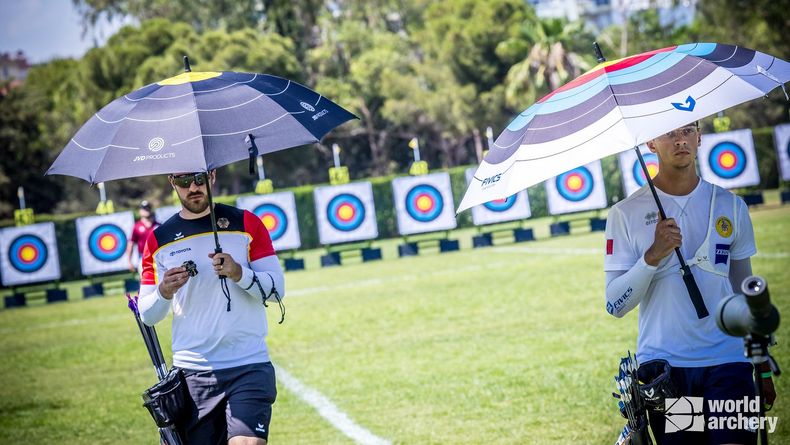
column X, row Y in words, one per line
column 230, row 402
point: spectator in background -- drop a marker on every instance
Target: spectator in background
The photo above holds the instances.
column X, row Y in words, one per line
column 142, row 228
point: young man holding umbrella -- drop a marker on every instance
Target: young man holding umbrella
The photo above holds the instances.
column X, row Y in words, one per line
column 218, row 336
column 713, row 231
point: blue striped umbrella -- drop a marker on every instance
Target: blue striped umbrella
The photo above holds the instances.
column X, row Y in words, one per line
column 196, row 121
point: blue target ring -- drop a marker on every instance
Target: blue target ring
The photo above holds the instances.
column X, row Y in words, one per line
column 651, row 161
column 273, row 218
column 28, row 253
column 345, row 212
column 501, row 205
column 575, row 185
column 424, row 203
column 107, row 242
column 727, row 160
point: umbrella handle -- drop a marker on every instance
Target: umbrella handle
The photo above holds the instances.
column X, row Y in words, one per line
column 688, row 278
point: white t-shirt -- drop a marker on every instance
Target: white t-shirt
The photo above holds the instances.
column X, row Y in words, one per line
column 668, row 325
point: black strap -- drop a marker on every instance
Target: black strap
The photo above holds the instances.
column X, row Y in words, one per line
column 273, row 291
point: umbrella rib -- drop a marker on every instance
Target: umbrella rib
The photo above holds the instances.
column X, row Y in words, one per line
column 236, row 132
column 182, row 115
column 196, row 92
column 102, row 148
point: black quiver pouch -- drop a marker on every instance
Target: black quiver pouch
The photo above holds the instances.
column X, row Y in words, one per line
column 168, row 401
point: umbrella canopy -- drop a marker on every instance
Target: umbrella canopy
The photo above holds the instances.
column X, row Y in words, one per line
column 196, row 121
column 619, row 105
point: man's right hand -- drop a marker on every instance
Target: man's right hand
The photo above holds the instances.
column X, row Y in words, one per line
column 667, row 238
column 172, row 281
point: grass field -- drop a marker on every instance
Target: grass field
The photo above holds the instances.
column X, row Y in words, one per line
column 509, row 344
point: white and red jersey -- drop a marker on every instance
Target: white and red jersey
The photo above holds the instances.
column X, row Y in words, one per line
column 205, row 334
column 716, row 230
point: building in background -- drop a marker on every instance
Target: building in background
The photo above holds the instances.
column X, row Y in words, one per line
column 13, row 68
column 603, row 13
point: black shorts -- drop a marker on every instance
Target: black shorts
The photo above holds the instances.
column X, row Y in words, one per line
column 230, row 402
column 729, row 381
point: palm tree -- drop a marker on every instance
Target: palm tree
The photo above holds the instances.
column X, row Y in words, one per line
column 551, row 60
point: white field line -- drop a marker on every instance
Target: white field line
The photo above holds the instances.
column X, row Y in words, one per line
column 328, row 410
column 67, row 323
column 568, row 251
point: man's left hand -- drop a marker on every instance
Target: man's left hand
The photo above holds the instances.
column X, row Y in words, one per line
column 769, row 392
column 225, row 265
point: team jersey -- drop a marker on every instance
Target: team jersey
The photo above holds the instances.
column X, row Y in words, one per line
column 206, row 334
column 716, row 229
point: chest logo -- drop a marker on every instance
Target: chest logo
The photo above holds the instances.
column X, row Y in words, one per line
column 724, row 226
column 223, row 223
column 651, row 218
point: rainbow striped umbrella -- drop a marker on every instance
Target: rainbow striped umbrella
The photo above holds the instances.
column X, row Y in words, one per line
column 617, row 106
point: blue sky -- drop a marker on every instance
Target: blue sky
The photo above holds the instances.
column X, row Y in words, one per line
column 46, row 29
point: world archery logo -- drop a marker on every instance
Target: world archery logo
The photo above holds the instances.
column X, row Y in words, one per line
column 727, row 160
column 28, row 253
column 345, row 212
column 688, row 105
column 273, row 218
column 684, row 414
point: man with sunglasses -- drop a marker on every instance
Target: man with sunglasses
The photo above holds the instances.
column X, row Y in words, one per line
column 142, row 228
column 687, row 355
column 219, row 325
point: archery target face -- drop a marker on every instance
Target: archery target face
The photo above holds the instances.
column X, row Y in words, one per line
column 345, row 213
column 277, row 212
column 577, row 190
column 424, row 203
column 512, row 208
column 29, row 254
column 728, row 159
column 102, row 242
column 631, row 170
column 782, row 143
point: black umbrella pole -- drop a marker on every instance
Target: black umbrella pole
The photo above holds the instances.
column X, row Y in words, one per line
column 688, row 278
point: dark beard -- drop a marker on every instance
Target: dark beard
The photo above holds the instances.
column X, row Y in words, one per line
column 194, row 207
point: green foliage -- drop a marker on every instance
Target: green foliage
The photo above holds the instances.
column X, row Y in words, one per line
column 504, row 345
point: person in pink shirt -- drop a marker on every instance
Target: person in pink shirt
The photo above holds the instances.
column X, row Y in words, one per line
column 142, row 228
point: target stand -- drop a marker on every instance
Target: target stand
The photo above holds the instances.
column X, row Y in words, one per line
column 290, row 262
column 785, row 197
column 502, row 234
column 338, row 253
column 753, row 199
column 412, row 246
column 21, row 295
column 99, row 285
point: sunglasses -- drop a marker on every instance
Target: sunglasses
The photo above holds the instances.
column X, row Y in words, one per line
column 684, row 132
column 186, row 180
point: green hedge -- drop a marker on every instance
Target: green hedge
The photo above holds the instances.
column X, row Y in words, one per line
column 385, row 210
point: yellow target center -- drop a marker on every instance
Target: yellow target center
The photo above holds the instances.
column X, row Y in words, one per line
column 108, row 243
column 189, row 77
column 652, row 169
column 727, row 160
column 27, row 254
column 345, row 212
column 269, row 221
column 574, row 183
column 424, row 203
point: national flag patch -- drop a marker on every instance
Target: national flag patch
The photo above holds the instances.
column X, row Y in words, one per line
column 609, row 246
